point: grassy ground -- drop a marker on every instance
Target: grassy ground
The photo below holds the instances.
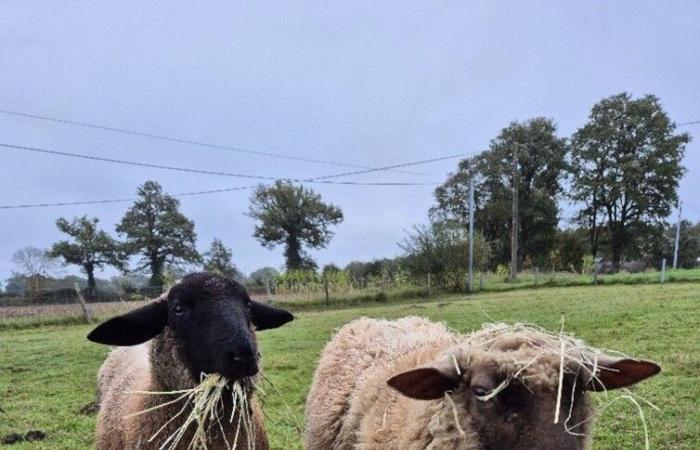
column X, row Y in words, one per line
column 47, row 373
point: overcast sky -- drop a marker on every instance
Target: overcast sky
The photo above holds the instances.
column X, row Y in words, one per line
column 367, row 83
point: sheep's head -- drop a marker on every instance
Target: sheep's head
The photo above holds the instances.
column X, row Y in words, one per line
column 507, row 381
column 212, row 318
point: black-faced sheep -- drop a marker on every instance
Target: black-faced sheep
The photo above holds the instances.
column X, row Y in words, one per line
column 412, row 384
column 205, row 324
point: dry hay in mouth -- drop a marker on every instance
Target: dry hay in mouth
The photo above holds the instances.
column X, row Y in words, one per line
column 206, row 409
column 572, row 356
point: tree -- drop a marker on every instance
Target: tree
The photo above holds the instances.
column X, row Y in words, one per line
column 91, row 248
column 441, row 249
column 688, row 244
column 219, row 260
column 541, row 168
column 570, row 250
column 36, row 265
column 294, row 216
column 264, row 276
column 155, row 228
column 625, row 167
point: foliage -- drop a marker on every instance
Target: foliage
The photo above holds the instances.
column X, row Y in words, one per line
column 625, row 166
column 688, row 244
column 263, row 276
column 541, row 164
column 155, row 228
column 36, row 265
column 219, row 259
column 90, row 249
column 570, row 250
column 294, row 216
column 440, row 249
column 360, row 272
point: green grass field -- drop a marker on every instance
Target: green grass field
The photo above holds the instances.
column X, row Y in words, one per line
column 47, row 373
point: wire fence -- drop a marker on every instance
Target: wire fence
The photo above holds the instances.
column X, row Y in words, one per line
column 321, row 293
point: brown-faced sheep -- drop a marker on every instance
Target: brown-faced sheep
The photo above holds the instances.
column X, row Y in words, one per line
column 204, row 325
column 412, row 384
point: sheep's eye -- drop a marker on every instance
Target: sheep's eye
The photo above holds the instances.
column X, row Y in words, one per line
column 480, row 391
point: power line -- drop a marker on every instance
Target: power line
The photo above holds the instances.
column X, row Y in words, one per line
column 321, row 179
column 190, row 142
column 121, row 200
column 694, row 122
column 240, row 175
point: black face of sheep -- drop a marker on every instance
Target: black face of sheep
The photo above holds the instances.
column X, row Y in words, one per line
column 213, row 319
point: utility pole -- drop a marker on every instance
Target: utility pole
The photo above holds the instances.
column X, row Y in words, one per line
column 470, row 281
column 514, row 227
column 678, row 235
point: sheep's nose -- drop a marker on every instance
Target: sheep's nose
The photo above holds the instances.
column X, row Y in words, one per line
column 241, row 362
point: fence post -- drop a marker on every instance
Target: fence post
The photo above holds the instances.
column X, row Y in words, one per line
column 325, row 288
column 663, row 270
column 81, row 300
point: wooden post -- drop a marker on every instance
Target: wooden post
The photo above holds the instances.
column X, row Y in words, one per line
column 325, row 288
column 81, row 300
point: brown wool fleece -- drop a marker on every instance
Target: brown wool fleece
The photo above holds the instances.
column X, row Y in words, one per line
column 155, row 366
column 350, row 405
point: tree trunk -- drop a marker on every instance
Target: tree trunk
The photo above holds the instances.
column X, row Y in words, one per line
column 90, row 270
column 292, row 253
column 617, row 246
column 156, row 280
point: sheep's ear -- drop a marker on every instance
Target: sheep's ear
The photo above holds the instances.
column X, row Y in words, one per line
column 265, row 317
column 615, row 373
column 423, row 383
column 134, row 327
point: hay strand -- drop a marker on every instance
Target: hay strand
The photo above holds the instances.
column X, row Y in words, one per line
column 206, row 406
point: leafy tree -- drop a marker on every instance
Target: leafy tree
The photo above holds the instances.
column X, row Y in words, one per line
column 688, row 245
column 155, row 228
column 362, row 271
column 294, row 216
column 90, row 249
column 570, row 250
column 263, row 276
column 36, row 265
column 330, row 269
column 625, row 166
column 541, row 167
column 219, row 260
column 441, row 249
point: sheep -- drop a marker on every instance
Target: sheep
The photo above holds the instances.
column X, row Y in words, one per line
column 413, row 384
column 205, row 324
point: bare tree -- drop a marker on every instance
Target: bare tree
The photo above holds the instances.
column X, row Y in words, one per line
column 35, row 264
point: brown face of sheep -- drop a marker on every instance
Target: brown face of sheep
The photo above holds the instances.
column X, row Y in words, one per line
column 521, row 417
column 213, row 319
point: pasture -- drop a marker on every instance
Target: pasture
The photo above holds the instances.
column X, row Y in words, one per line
column 47, row 373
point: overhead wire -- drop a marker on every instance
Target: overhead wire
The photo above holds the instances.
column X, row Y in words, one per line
column 233, row 174
column 324, row 179
column 189, row 141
